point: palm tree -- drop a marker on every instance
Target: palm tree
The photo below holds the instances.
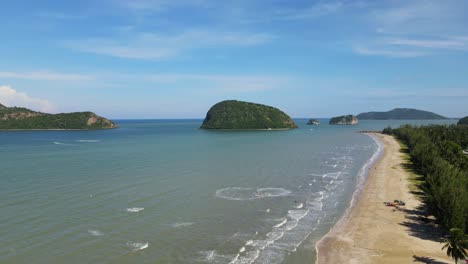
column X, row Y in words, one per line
column 456, row 244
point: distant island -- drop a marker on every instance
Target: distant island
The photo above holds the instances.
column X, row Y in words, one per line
column 463, row 121
column 313, row 122
column 400, row 114
column 344, row 120
column 232, row 114
column 25, row 119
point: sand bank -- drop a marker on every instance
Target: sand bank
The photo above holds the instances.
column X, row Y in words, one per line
column 374, row 233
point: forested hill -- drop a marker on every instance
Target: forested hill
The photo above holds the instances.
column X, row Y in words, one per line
column 23, row 118
column 401, row 114
column 232, row 114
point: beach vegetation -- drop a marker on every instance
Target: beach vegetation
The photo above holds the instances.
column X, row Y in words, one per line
column 456, row 245
column 436, row 153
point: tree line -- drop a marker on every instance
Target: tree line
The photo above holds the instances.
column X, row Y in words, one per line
column 437, row 153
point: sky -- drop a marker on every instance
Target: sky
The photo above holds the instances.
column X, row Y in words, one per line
column 175, row 59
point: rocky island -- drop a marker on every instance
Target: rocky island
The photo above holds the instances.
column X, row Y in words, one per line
column 344, row 120
column 313, row 122
column 232, row 114
column 19, row 118
column 463, row 121
column 400, row 114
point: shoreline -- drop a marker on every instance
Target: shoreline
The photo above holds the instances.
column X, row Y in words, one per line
column 369, row 231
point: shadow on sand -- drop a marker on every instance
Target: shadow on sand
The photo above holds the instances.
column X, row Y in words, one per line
column 426, row 260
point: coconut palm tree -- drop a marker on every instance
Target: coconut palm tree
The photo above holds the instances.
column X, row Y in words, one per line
column 456, row 244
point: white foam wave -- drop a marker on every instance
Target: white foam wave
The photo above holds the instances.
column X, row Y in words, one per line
column 282, row 223
column 95, row 233
column 242, row 194
column 135, row 209
column 181, row 224
column 299, row 206
column 60, row 143
column 88, row 140
column 138, row 245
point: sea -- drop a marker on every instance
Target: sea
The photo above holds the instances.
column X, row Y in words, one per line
column 165, row 191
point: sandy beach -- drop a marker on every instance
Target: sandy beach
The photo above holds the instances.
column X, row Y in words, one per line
column 374, row 233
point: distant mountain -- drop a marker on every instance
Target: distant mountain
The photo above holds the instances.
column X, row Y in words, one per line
column 400, row 113
column 463, row 121
column 344, row 120
column 233, row 114
column 23, row 118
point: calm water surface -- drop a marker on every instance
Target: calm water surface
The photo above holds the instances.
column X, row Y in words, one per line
column 163, row 191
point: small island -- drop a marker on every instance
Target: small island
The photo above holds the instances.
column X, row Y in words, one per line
column 344, row 120
column 232, row 114
column 314, row 122
column 463, row 121
column 19, row 118
column 401, row 114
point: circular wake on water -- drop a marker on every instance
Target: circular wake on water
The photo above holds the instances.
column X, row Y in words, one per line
column 243, row 194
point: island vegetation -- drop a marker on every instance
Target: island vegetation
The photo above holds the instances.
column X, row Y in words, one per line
column 19, row 118
column 463, row 121
column 400, row 114
column 232, row 114
column 344, row 120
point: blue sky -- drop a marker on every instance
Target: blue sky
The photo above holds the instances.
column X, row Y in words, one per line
column 174, row 59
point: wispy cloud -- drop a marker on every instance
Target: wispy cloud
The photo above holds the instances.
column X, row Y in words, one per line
column 453, row 43
column 157, row 46
column 414, row 28
column 384, row 51
column 59, row 15
column 44, row 76
column 11, row 97
column 314, row 11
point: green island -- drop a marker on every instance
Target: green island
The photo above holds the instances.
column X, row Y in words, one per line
column 232, row 114
column 19, row 118
column 344, row 120
column 463, row 121
column 401, row 114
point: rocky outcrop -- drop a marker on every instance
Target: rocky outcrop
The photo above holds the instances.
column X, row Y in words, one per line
column 344, row 120
column 313, row 122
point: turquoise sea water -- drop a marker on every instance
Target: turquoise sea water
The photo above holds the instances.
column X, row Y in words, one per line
column 163, row 191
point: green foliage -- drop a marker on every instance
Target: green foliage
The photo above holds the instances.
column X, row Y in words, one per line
column 22, row 118
column 400, row 113
column 463, row 121
column 437, row 152
column 456, row 244
column 243, row 115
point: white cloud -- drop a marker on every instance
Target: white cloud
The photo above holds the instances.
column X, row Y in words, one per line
column 429, row 43
column 44, row 76
column 11, row 97
column 383, row 51
column 415, row 28
column 317, row 10
column 154, row 46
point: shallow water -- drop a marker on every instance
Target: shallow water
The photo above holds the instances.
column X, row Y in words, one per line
column 163, row 191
